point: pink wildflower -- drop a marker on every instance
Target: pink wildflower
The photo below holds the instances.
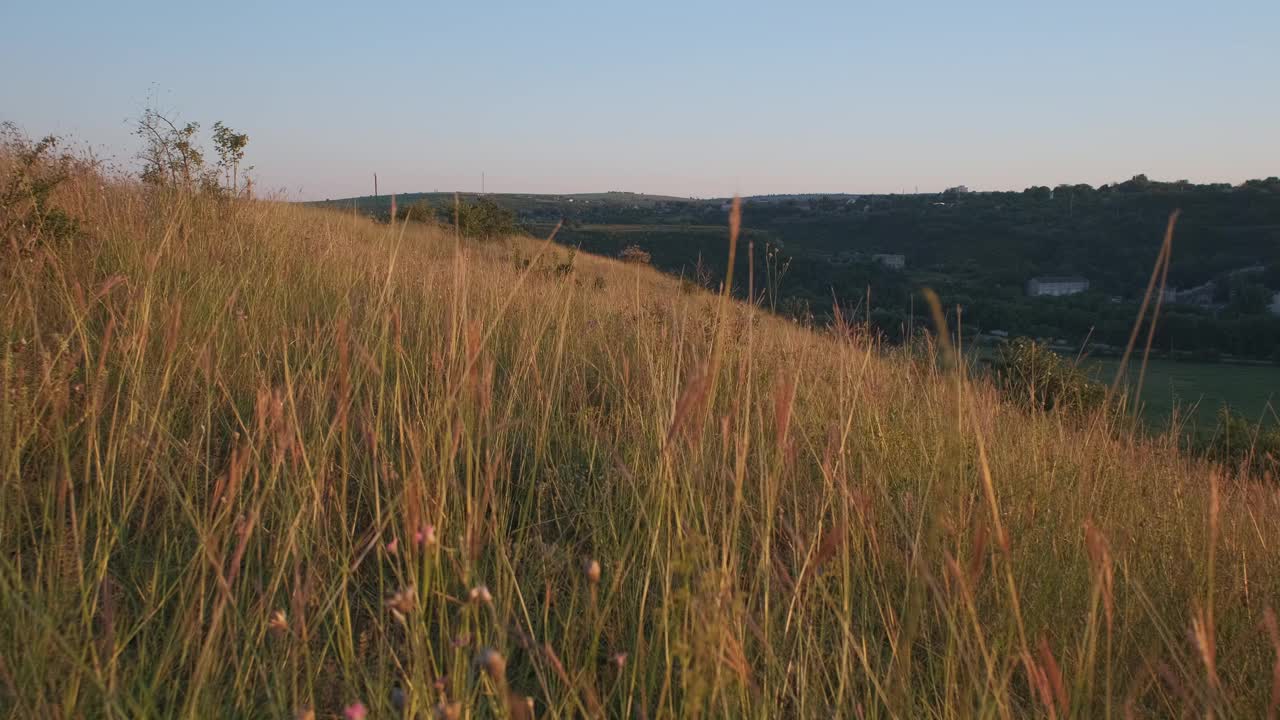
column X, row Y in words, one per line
column 426, row 536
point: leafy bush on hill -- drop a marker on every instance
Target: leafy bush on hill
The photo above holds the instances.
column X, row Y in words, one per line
column 484, row 219
column 36, row 169
column 1244, row 446
column 417, row 211
column 1035, row 376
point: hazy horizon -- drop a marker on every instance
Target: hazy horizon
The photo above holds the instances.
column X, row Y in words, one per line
column 703, row 100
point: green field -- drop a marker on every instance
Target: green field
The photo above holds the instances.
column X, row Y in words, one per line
column 1196, row 391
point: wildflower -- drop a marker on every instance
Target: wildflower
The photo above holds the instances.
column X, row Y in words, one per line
column 492, row 662
column 480, row 594
column 592, row 570
column 619, row 659
column 426, row 536
column 393, row 546
column 355, row 711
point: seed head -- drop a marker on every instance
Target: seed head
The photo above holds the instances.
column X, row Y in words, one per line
column 402, row 603
column 592, row 570
column 492, row 662
column 278, row 623
column 480, row 594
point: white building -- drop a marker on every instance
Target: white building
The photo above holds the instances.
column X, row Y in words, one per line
column 890, row 260
column 1056, row 286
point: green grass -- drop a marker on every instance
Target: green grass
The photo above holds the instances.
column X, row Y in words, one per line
column 1195, row 392
column 260, row 460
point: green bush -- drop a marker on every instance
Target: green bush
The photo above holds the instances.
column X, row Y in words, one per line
column 1035, row 376
column 1245, row 446
column 36, row 169
column 420, row 211
column 485, row 220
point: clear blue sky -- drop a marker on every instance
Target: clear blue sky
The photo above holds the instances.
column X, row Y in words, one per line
column 684, row 98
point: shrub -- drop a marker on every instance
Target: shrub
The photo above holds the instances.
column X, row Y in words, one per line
column 420, row 211
column 635, row 254
column 565, row 268
column 1035, row 376
column 26, row 210
column 485, row 220
column 1245, row 446
column 797, row 309
column 172, row 156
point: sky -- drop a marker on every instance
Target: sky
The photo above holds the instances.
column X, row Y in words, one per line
column 683, row 98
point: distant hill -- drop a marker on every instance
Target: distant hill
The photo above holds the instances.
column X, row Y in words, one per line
column 979, row 249
column 520, row 202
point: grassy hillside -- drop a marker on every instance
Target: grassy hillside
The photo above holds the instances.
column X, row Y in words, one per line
column 262, row 460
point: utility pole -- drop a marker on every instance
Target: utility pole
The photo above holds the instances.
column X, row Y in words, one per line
column 375, row 186
column 482, row 182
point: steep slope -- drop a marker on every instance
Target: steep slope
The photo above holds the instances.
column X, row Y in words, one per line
column 257, row 459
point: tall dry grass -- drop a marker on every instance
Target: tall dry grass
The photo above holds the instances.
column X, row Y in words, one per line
column 258, row 460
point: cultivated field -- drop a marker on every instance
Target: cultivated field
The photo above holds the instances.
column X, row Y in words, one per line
column 1193, row 393
column 259, row 460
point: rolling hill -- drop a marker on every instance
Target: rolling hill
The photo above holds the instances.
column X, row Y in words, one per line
column 260, row 459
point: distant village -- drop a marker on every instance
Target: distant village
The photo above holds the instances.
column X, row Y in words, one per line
column 1203, row 296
